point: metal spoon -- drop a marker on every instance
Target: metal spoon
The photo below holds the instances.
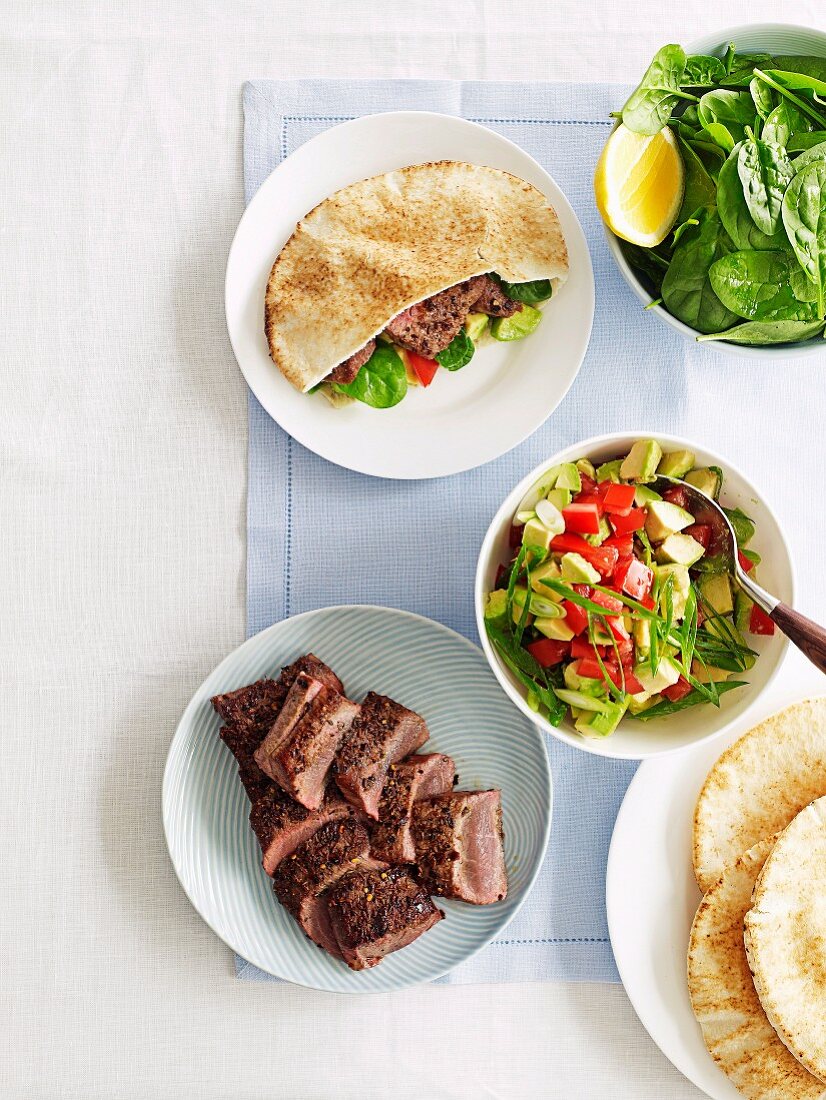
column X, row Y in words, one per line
column 809, row 638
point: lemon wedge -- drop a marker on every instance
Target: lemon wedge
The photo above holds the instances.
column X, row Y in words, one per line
column 639, row 183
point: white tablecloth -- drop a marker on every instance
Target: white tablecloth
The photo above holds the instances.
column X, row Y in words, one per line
column 122, row 550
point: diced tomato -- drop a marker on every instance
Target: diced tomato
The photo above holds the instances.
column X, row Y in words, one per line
column 589, row 669
column 632, row 522
column 625, row 648
column 619, row 499
column 759, row 621
column 581, row 518
column 586, row 484
column 616, row 624
column 603, row 558
column 581, row 647
column 502, row 574
column 745, row 563
column 638, row 579
column 621, row 571
column 632, row 684
column 647, row 601
column 575, row 617
column 608, row 602
column 582, row 590
column 678, row 690
column 515, row 536
column 548, row 651
column 701, row 532
column 424, row 369
column 623, row 543
column 676, row 495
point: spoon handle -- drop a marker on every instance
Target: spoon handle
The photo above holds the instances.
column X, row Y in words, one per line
column 806, row 635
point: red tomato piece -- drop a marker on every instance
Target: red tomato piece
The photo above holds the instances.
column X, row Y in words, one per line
column 745, row 563
column 621, row 571
column 582, row 590
column 638, row 579
column 619, row 499
column 678, row 690
column 623, row 525
column 608, row 602
column 575, row 617
column 623, row 543
column 759, row 621
column 603, row 558
column 589, row 498
column 548, row 651
column 625, row 648
column 617, row 627
column 515, row 536
column 424, row 369
column 677, row 495
column 647, row 601
column 582, row 518
column 586, row 484
column 589, row 669
column 581, row 647
column 701, row 532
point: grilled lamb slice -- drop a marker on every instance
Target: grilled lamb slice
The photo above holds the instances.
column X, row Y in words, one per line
column 250, row 712
column 493, row 300
column 459, row 846
column 430, row 326
column 298, row 751
column 281, row 824
column 384, row 733
column 408, row 781
column 375, row 912
column 347, row 371
column 336, row 850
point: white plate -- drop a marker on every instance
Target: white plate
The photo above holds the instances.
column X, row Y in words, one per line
column 423, row 665
column 652, row 897
column 463, row 419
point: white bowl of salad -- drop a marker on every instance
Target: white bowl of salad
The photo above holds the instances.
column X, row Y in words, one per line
column 607, row 611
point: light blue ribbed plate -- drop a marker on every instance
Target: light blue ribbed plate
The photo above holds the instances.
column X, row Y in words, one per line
column 423, row 665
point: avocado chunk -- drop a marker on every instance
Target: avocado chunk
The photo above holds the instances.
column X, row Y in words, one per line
column 587, row 686
column 537, row 535
column 642, row 636
column 643, row 496
column 550, row 571
column 476, row 325
column 742, row 611
column 603, row 533
column 609, row 471
column 555, row 628
column 663, row 519
column 587, row 468
column 715, row 589
column 708, row 674
column 666, row 675
column 580, row 700
column 496, row 608
column 569, row 478
column 602, row 724
column 577, row 570
column 640, row 702
column 680, row 587
column 682, row 549
column 642, row 461
column 706, row 480
column 676, row 463
column 560, row 498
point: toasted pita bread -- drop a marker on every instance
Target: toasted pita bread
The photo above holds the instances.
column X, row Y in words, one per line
column 758, row 785
column 379, row 246
column 735, row 1029
column 785, row 937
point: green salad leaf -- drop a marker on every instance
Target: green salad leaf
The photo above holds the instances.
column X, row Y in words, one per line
column 804, row 216
column 734, row 110
column 734, row 211
column 458, row 352
column 686, row 288
column 649, row 106
column 743, row 525
column 381, row 382
column 784, row 120
column 758, row 287
column 666, row 706
column 703, row 71
column 765, row 172
column 537, row 290
column 766, row 333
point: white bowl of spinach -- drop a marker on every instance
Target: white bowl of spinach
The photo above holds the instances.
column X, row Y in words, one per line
column 744, row 266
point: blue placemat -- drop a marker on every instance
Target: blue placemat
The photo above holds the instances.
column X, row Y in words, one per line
column 561, row 933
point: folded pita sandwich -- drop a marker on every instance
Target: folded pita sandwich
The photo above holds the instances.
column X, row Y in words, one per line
column 427, row 259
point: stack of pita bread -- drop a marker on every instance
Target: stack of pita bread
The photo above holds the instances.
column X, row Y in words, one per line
column 757, row 954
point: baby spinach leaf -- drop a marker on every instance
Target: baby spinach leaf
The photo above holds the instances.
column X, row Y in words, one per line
column 813, row 146
column 538, row 290
column 699, row 186
column 784, row 121
column 765, row 333
column 381, row 382
column 743, row 525
column 763, row 96
column 649, row 106
column 776, row 79
column 757, row 286
column 458, row 352
column 718, row 135
column 690, row 699
column 734, row 211
column 703, row 71
column 804, row 216
column 686, row 290
column 799, row 82
column 801, row 63
column 735, row 110
column 646, row 261
column 765, row 172
column 741, row 66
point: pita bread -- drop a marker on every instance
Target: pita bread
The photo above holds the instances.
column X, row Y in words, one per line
column 735, row 1029
column 758, row 785
column 379, row 246
column 785, row 937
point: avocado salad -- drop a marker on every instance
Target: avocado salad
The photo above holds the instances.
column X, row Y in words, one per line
column 617, row 601
column 745, row 260
column 441, row 331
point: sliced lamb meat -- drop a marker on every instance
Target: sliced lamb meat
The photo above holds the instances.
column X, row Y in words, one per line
column 346, row 372
column 375, row 912
column 384, row 733
column 459, row 846
column 298, row 751
column 281, row 824
column 493, row 300
column 337, row 849
column 408, row 781
column 429, row 326
column 250, row 712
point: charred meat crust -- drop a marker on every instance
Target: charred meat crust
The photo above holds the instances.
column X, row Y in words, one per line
column 281, row 824
column 408, row 781
column 337, row 848
column 459, row 846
